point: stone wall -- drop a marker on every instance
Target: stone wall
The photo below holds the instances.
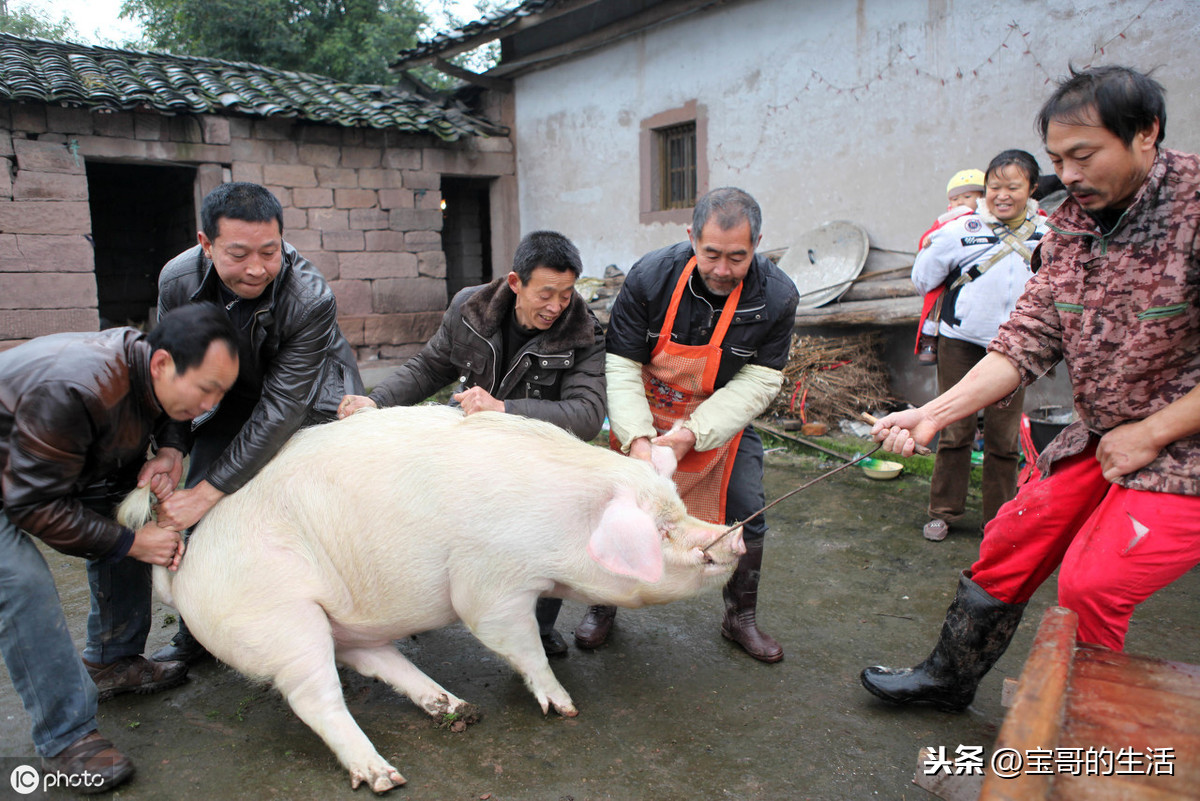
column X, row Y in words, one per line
column 46, row 279
column 361, row 204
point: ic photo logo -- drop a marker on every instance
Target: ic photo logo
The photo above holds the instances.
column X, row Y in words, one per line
column 25, row 779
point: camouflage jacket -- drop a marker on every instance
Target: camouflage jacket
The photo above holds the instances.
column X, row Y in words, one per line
column 1122, row 311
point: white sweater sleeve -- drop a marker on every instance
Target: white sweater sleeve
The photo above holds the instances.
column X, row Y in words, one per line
column 628, row 410
column 732, row 407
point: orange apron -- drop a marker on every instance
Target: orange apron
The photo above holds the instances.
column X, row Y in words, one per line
column 678, row 379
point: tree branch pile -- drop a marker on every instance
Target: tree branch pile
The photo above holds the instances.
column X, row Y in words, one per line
column 828, row 378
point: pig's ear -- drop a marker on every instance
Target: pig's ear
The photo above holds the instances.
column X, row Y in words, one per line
column 663, row 459
column 627, row 542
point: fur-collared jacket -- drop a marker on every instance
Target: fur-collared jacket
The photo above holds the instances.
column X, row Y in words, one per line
column 558, row 376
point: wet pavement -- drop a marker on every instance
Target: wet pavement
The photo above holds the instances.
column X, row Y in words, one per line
column 668, row 709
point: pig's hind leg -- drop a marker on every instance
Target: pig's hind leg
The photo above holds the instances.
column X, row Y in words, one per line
column 508, row 627
column 300, row 658
column 384, row 662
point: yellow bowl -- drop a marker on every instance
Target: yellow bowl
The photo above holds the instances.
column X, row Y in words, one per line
column 881, row 470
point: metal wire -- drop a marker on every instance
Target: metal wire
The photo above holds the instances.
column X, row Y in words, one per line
column 789, row 494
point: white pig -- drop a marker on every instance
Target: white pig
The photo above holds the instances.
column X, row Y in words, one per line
column 397, row 521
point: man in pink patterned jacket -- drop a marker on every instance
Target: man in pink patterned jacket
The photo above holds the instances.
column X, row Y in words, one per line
column 1116, row 297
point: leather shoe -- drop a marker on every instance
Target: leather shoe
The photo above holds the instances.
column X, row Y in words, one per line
column 182, row 648
column 593, row 630
column 96, row 762
column 553, row 643
column 135, row 674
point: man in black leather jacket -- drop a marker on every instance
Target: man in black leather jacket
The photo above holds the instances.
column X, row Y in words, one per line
column 76, row 414
column 295, row 363
column 524, row 344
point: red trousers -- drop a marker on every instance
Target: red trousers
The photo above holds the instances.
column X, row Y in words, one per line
column 1117, row 546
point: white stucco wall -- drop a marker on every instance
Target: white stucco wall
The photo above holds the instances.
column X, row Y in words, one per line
column 835, row 109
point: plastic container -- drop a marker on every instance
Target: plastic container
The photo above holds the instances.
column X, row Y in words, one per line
column 881, row 470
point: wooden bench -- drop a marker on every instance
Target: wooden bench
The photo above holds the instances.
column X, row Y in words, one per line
column 1090, row 724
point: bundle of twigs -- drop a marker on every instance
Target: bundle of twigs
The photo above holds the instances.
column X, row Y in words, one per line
column 828, row 378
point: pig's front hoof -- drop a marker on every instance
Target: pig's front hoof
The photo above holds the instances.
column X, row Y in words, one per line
column 380, row 778
column 559, row 701
column 567, row 710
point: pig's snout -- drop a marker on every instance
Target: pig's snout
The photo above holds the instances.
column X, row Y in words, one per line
column 726, row 538
column 737, row 542
column 721, row 549
column 730, row 538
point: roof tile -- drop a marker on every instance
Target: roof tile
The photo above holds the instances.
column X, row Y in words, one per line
column 496, row 22
column 102, row 78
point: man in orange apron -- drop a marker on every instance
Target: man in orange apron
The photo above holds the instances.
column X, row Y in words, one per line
column 696, row 346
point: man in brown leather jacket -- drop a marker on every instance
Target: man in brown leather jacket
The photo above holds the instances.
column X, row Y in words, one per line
column 524, row 344
column 295, row 363
column 77, row 412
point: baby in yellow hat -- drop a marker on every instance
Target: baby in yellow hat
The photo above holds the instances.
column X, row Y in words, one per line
column 963, row 192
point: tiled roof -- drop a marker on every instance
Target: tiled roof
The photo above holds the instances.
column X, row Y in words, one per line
column 120, row 80
column 488, row 25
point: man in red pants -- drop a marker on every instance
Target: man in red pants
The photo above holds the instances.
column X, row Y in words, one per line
column 1116, row 296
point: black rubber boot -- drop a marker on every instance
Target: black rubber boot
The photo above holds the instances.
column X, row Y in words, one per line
column 741, row 603
column 977, row 630
column 182, row 648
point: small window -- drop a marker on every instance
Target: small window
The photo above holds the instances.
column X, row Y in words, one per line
column 676, row 166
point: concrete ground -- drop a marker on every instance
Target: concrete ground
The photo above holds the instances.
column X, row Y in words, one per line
column 668, row 709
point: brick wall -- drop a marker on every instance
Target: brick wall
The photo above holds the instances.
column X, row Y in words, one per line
column 361, row 204
column 46, row 279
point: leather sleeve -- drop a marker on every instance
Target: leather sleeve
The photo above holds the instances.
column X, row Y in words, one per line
column 290, row 384
column 172, row 293
column 306, row 320
column 52, row 433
